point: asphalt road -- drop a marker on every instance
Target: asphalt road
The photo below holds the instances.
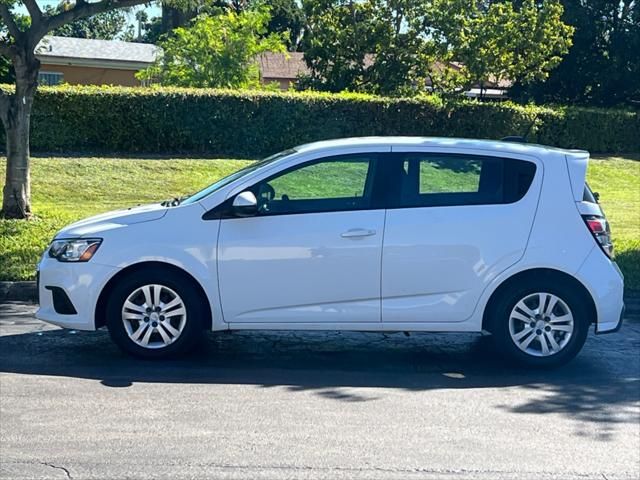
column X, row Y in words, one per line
column 322, row 405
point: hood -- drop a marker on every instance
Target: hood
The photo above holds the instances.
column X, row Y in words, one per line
column 110, row 220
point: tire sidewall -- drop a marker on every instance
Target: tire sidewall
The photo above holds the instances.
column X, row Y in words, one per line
column 193, row 328
column 502, row 312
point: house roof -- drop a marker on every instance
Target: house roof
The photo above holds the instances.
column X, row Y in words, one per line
column 89, row 52
column 281, row 66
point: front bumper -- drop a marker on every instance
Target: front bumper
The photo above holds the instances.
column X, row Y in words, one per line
column 80, row 283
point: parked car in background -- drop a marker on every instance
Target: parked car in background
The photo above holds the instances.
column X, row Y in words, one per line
column 367, row 234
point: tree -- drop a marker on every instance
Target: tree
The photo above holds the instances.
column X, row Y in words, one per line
column 142, row 17
column 493, row 40
column 337, row 44
column 151, row 30
column 216, row 51
column 287, row 18
column 18, row 41
column 401, row 46
column 603, row 65
column 103, row 26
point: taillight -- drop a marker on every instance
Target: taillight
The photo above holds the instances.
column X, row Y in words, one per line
column 599, row 227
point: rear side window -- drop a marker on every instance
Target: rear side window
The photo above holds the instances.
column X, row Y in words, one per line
column 430, row 179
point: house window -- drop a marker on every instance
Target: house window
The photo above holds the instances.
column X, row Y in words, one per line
column 50, row 78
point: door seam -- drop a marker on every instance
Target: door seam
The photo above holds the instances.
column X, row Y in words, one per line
column 384, row 230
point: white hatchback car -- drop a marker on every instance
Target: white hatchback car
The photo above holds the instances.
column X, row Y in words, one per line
column 368, row 234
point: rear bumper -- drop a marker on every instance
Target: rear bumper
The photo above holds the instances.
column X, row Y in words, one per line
column 616, row 328
column 605, row 283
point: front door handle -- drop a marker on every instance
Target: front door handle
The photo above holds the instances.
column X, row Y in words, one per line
column 358, row 233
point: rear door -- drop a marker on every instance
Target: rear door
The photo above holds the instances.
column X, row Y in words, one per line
column 457, row 221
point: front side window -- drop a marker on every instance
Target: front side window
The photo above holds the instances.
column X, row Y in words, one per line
column 432, row 179
column 333, row 184
column 223, row 182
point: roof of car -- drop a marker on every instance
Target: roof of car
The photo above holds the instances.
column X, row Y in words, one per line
column 446, row 142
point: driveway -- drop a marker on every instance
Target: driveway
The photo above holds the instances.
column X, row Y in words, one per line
column 313, row 405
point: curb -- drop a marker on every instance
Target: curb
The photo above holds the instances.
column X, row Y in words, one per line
column 27, row 292
column 18, row 292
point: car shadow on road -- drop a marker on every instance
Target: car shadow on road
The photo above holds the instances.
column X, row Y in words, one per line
column 602, row 385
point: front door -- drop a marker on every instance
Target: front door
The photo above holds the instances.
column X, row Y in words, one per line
column 312, row 253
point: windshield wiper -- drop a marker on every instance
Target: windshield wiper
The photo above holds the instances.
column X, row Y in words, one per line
column 174, row 202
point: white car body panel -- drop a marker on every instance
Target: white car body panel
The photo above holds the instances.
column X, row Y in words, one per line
column 298, row 272
column 299, row 268
column 438, row 260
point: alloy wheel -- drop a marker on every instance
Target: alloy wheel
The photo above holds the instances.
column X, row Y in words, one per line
column 541, row 324
column 154, row 316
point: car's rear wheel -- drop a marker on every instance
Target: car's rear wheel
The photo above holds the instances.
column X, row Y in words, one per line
column 154, row 313
column 540, row 325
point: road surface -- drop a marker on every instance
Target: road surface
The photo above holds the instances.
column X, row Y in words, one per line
column 313, row 406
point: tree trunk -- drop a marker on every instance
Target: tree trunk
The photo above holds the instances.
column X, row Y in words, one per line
column 15, row 111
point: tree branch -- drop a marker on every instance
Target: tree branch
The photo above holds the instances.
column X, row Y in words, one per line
column 34, row 10
column 8, row 20
column 83, row 10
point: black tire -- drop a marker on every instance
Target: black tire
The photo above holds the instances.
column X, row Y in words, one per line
column 181, row 284
column 500, row 313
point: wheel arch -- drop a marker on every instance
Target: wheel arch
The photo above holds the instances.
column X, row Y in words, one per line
column 546, row 274
column 101, row 304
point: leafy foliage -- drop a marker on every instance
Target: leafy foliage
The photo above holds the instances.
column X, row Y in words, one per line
column 494, row 40
column 216, row 51
column 371, row 46
column 256, row 123
column 603, row 66
column 151, row 30
column 6, row 71
column 403, row 46
column 287, row 18
column 110, row 25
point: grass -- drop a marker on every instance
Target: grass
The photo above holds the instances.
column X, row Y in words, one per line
column 67, row 189
column 618, row 182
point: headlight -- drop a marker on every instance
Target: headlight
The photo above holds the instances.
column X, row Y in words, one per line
column 74, row 250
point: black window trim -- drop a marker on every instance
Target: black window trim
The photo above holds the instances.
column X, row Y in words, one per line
column 224, row 211
column 385, row 170
column 400, row 156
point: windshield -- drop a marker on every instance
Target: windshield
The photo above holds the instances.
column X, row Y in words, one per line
column 196, row 197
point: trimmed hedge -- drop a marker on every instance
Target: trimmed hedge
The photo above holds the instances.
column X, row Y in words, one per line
column 257, row 123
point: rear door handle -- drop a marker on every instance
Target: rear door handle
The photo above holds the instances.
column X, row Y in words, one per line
column 357, row 233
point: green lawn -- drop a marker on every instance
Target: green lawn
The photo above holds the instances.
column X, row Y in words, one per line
column 67, row 189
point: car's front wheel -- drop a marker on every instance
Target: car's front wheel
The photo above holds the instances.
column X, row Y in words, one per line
column 540, row 325
column 153, row 313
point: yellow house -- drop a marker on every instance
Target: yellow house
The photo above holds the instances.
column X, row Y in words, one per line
column 80, row 61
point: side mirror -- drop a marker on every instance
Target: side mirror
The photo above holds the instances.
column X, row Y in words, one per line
column 245, row 204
